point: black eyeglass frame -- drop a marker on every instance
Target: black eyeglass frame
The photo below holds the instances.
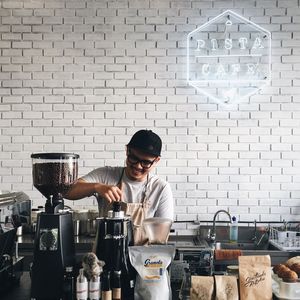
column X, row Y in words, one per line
column 133, row 159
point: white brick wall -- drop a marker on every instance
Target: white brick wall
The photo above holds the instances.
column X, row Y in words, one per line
column 82, row 76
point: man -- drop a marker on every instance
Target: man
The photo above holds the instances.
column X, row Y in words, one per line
column 133, row 184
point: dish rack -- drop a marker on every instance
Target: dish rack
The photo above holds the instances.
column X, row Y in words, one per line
column 287, row 240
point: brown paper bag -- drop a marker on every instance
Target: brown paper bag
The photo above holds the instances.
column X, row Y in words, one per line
column 202, row 287
column 255, row 277
column 226, row 288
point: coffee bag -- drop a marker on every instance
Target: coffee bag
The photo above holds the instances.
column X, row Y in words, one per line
column 226, row 288
column 255, row 277
column 202, row 288
column 151, row 263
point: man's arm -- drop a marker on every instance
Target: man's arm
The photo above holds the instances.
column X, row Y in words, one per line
column 82, row 189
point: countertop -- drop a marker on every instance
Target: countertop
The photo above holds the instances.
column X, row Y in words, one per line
column 22, row 291
column 83, row 244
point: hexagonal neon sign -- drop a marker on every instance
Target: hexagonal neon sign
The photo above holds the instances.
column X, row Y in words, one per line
column 229, row 58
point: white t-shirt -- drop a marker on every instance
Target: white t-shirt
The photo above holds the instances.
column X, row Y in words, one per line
column 158, row 194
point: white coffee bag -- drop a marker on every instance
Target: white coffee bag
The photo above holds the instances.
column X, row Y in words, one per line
column 151, row 262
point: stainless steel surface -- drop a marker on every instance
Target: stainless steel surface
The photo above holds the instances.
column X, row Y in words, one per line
column 188, row 242
column 193, row 244
column 12, row 197
column 241, row 246
column 15, row 211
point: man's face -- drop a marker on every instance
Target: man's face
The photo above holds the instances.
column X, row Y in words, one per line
column 139, row 164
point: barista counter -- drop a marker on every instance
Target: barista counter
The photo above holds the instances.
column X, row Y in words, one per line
column 84, row 244
column 185, row 246
column 22, row 290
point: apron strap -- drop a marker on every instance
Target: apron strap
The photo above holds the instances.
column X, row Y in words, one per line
column 121, row 178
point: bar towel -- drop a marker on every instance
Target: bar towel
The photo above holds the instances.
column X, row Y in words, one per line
column 227, row 254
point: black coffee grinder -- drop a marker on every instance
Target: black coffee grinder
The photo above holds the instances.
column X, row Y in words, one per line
column 54, row 248
column 114, row 235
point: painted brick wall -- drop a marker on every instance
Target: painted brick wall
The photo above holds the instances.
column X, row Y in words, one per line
column 82, row 76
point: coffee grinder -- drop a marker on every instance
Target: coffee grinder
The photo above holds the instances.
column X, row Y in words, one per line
column 113, row 237
column 54, row 248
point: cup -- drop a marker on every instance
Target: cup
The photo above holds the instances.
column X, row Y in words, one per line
column 19, row 230
column 33, row 227
column 282, row 235
column 76, row 225
column 92, row 227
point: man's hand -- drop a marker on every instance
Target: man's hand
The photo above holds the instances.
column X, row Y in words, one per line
column 83, row 189
column 110, row 193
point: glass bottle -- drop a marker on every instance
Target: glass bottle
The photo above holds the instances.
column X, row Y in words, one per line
column 69, row 284
column 116, row 285
column 81, row 286
column 94, row 288
column 234, row 229
column 106, row 292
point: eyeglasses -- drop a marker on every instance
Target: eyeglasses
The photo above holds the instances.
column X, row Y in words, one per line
column 146, row 164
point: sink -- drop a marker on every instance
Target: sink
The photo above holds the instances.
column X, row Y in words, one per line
column 240, row 246
column 250, row 248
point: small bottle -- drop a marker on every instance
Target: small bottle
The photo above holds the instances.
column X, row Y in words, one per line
column 234, row 230
column 106, row 293
column 116, row 285
column 81, row 286
column 94, row 288
column 69, row 284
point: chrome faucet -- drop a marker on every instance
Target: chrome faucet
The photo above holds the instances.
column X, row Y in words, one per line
column 213, row 234
column 254, row 239
column 265, row 231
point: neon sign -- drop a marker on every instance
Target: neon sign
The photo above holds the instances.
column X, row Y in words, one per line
column 228, row 58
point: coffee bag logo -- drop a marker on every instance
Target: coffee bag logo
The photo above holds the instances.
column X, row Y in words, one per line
column 255, row 279
column 228, row 58
column 153, row 263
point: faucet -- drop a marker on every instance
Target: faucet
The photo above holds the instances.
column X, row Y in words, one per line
column 265, row 235
column 264, row 232
column 254, row 239
column 213, row 234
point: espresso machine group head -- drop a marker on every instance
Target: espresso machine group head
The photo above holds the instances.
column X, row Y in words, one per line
column 54, row 249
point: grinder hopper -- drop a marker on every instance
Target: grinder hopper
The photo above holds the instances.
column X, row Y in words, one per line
column 53, row 174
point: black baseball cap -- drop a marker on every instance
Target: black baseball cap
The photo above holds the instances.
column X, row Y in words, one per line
column 146, row 141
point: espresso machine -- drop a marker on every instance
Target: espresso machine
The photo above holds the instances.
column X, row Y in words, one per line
column 114, row 235
column 54, row 249
column 15, row 212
